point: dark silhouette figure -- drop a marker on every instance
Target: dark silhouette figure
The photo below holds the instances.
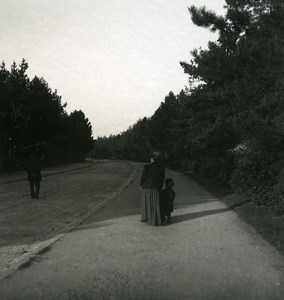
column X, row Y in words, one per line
column 151, row 183
column 34, row 174
column 167, row 201
column 148, row 156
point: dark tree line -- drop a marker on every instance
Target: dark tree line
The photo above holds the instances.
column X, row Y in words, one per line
column 229, row 124
column 33, row 117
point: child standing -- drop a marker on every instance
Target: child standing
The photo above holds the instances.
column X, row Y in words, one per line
column 167, row 200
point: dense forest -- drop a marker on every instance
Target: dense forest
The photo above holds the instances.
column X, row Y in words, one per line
column 228, row 124
column 32, row 117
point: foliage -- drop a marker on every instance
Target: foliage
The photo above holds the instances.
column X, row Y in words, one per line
column 32, row 115
column 240, row 96
column 257, row 171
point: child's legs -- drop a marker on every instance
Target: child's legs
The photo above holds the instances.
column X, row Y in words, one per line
column 162, row 211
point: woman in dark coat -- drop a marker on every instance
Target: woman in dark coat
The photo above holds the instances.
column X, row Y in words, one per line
column 151, row 183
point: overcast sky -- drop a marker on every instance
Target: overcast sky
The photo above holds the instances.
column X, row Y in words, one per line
column 116, row 60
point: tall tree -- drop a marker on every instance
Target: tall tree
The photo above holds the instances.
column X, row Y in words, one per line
column 32, row 115
column 239, row 93
column 80, row 131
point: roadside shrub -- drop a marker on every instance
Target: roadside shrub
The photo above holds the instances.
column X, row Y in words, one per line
column 257, row 172
column 218, row 167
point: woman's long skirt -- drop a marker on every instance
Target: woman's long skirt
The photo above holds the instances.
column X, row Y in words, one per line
column 150, row 208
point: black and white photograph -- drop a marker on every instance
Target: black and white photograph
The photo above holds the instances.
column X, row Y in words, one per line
column 141, row 149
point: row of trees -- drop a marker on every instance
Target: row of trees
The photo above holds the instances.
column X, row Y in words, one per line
column 32, row 116
column 229, row 123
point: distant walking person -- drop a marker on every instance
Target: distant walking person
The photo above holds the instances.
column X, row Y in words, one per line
column 151, row 183
column 167, row 201
column 34, row 174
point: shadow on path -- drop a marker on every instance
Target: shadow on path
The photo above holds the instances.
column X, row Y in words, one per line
column 191, row 216
column 93, row 224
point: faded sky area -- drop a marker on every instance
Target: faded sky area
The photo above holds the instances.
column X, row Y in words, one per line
column 116, row 60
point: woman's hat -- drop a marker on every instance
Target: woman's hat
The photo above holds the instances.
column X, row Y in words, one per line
column 155, row 154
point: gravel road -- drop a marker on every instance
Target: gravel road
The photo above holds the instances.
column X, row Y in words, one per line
column 68, row 194
column 208, row 252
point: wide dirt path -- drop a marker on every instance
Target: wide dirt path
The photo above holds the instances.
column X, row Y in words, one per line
column 207, row 253
column 68, row 194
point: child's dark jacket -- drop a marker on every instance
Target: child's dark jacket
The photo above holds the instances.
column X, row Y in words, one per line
column 168, row 197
